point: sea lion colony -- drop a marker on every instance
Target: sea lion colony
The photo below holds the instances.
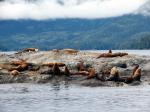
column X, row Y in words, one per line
column 58, row 68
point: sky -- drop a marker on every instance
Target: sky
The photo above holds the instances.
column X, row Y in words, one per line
column 53, row 9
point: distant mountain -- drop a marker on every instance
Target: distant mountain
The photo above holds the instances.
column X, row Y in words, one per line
column 125, row 32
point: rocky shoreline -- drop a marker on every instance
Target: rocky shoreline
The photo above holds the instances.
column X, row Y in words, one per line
column 37, row 73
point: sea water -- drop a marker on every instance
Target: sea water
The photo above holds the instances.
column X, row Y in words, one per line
column 71, row 98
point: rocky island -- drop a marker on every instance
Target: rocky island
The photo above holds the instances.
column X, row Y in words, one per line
column 85, row 68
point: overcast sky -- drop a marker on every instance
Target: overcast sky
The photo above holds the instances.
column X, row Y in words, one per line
column 51, row 9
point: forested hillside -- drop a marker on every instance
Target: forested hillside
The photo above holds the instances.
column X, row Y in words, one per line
column 125, row 32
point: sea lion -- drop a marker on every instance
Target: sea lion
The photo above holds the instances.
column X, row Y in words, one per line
column 20, row 68
column 66, row 72
column 110, row 51
column 30, row 50
column 51, row 64
column 56, row 50
column 111, row 55
column 119, row 54
column 14, row 73
column 80, row 66
column 134, row 70
column 92, row 73
column 84, row 73
column 18, row 62
column 55, row 69
column 114, row 74
column 105, row 55
column 135, row 76
column 70, row 51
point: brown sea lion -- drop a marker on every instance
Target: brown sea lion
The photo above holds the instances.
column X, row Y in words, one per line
column 119, row 54
column 14, row 73
column 114, row 74
column 27, row 50
column 70, row 51
column 134, row 70
column 18, row 62
column 30, row 50
column 56, row 70
column 111, row 55
column 80, row 66
column 55, row 50
column 92, row 73
column 137, row 75
column 105, row 55
column 51, row 64
column 21, row 67
column 84, row 73
column 110, row 51
column 66, row 72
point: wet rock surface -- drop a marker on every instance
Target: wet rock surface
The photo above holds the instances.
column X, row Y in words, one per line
column 36, row 73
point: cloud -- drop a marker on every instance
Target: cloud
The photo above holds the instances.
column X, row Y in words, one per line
column 52, row 9
column 144, row 9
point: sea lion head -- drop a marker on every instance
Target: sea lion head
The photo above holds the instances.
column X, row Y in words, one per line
column 14, row 73
column 114, row 71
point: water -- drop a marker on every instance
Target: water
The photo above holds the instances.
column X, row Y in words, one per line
column 136, row 52
column 71, row 98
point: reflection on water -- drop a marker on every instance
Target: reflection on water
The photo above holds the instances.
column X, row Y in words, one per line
column 70, row 98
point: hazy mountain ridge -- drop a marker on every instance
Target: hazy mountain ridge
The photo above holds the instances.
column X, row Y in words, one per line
column 131, row 31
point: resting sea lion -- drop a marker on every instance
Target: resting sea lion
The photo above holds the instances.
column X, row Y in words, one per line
column 55, row 50
column 109, row 51
column 111, row 55
column 18, row 62
column 14, row 73
column 84, row 73
column 134, row 70
column 92, row 73
column 80, row 66
column 30, row 50
column 135, row 76
column 67, row 72
column 55, row 69
column 51, row 64
column 70, row 51
column 114, row 74
column 21, row 67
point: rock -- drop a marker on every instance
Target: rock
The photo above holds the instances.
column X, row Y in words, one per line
column 36, row 73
